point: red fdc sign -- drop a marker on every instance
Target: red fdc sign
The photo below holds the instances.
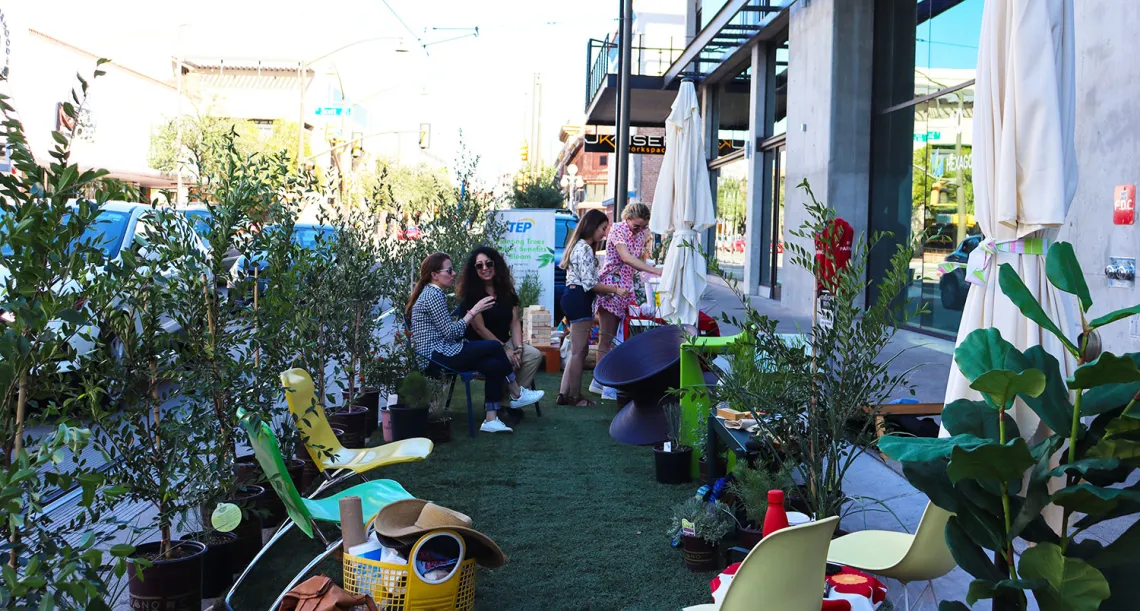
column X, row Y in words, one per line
column 1124, row 205
column 840, row 234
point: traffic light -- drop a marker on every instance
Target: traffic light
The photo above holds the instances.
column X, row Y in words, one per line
column 425, row 136
column 357, row 145
column 524, row 152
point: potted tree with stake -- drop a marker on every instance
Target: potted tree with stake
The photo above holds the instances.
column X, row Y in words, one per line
column 671, row 460
column 701, row 527
column 439, row 423
column 45, row 306
column 410, row 415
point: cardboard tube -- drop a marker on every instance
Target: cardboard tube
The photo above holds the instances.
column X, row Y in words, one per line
column 351, row 522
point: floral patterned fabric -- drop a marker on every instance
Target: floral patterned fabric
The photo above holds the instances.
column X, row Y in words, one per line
column 618, row 274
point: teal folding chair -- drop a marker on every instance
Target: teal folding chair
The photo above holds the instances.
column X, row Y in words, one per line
column 304, row 513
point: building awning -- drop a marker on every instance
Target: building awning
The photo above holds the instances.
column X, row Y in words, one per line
column 650, row 105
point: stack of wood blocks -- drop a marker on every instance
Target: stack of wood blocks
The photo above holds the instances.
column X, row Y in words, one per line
column 536, row 325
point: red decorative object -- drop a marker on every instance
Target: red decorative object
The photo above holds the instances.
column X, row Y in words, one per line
column 840, row 235
column 776, row 516
column 1124, row 205
column 851, row 590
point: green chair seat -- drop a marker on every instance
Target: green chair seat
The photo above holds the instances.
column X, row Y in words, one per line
column 374, row 496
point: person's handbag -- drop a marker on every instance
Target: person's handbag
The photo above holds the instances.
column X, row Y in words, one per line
column 321, row 594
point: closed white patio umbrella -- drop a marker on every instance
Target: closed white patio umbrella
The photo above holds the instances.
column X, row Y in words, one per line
column 1025, row 176
column 682, row 206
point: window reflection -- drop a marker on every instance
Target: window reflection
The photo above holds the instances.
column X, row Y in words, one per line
column 731, row 213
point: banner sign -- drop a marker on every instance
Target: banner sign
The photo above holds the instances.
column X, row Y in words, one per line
column 638, row 144
column 528, row 246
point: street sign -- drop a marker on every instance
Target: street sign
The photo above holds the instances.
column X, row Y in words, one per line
column 334, row 111
column 638, row 144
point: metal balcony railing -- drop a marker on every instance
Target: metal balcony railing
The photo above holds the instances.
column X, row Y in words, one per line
column 602, row 60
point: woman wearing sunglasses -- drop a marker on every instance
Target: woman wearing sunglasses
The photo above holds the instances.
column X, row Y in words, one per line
column 438, row 341
column 486, row 275
column 626, row 250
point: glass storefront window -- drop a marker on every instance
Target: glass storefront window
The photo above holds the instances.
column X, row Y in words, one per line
column 731, row 210
column 781, row 124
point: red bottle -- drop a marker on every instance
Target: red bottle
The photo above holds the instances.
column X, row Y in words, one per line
column 776, row 517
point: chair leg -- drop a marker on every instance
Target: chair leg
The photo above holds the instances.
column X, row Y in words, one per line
column 450, row 391
column 265, row 548
column 470, row 410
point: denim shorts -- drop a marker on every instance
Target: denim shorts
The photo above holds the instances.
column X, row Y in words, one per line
column 577, row 304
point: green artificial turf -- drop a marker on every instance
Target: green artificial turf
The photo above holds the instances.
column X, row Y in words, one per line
column 579, row 516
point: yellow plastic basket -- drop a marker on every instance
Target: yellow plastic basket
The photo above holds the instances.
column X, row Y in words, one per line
column 397, row 587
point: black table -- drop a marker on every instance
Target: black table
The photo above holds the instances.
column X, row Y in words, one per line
column 733, row 440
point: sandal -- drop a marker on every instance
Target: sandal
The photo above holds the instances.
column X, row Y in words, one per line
column 562, row 400
column 581, row 402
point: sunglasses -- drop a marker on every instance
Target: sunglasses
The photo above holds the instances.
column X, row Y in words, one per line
column 447, row 270
column 482, row 265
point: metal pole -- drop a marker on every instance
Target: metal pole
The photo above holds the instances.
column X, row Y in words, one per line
column 622, row 196
column 301, row 115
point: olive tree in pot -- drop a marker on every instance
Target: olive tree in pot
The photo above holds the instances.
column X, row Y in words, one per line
column 701, row 527
column 157, row 437
column 671, row 460
column 822, row 409
column 46, row 207
column 439, row 423
column 410, row 414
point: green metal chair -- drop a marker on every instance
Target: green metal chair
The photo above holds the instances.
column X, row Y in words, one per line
column 304, row 513
column 923, row 556
column 786, row 569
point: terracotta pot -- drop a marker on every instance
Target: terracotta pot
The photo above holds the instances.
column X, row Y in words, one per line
column 700, row 555
column 386, row 424
column 169, row 585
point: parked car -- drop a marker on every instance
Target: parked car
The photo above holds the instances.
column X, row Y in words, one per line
column 411, row 233
column 201, row 219
column 952, row 287
column 564, row 224
column 119, row 226
column 305, row 235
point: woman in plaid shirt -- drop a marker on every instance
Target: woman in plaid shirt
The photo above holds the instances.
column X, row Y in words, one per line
column 439, row 342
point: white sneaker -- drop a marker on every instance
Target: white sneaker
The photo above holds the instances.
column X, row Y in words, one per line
column 495, row 426
column 609, row 394
column 527, row 397
column 596, row 388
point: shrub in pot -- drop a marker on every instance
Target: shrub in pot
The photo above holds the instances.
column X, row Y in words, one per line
column 439, row 423
column 410, row 414
column 673, row 465
column 750, row 486
column 701, row 526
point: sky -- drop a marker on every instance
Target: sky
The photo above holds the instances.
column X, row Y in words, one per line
column 480, row 85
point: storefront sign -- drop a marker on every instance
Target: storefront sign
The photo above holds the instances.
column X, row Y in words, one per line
column 529, row 249
column 1124, row 205
column 728, row 146
column 638, row 144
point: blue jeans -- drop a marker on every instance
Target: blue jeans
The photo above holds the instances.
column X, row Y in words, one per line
column 488, row 358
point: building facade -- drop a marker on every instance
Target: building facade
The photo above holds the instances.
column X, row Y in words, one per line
column 871, row 102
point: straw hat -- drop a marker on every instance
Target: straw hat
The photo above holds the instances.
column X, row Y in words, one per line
column 406, row 521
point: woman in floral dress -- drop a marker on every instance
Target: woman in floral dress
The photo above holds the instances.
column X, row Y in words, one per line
column 626, row 248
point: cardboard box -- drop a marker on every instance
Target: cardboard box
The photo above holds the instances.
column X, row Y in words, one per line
column 731, row 414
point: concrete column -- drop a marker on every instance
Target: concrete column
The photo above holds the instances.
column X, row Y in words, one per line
column 829, row 121
column 759, row 175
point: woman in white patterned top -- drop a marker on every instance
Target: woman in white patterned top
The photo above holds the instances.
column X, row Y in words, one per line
column 581, row 267
column 439, row 342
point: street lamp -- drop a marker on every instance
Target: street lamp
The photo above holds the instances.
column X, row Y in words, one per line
column 572, row 182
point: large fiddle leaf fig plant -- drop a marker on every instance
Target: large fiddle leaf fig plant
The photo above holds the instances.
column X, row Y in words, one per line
column 1001, row 482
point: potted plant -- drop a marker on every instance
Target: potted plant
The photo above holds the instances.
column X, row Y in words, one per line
column 410, row 414
column 701, row 526
column 45, row 267
column 700, row 436
column 750, row 486
column 439, row 423
column 671, row 460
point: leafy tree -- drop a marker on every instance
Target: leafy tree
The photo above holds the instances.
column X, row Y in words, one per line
column 540, row 190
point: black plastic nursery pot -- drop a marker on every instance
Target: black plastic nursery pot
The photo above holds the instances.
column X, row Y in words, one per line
column 248, row 531
column 173, row 584
column 439, row 431
column 673, row 467
column 353, row 419
column 408, row 422
column 216, row 575
column 369, row 398
column 700, row 555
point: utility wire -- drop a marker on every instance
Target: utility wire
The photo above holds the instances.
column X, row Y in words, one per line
column 404, row 23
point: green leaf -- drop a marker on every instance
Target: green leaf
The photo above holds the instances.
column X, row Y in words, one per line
column 1052, row 405
column 1095, row 500
column 952, row 605
column 1122, row 551
column 929, row 477
column 965, row 417
column 1037, row 496
column 992, row 461
column 983, row 350
column 1071, row 583
column 1002, row 385
column 1125, row 450
column 1065, row 273
column 122, row 550
column 968, row 554
column 981, row 589
column 1112, row 317
column 1124, row 426
column 1017, row 292
column 1084, row 465
column 921, row 449
column 1106, row 369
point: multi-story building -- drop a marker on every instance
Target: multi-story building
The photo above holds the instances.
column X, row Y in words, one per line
column 871, row 101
